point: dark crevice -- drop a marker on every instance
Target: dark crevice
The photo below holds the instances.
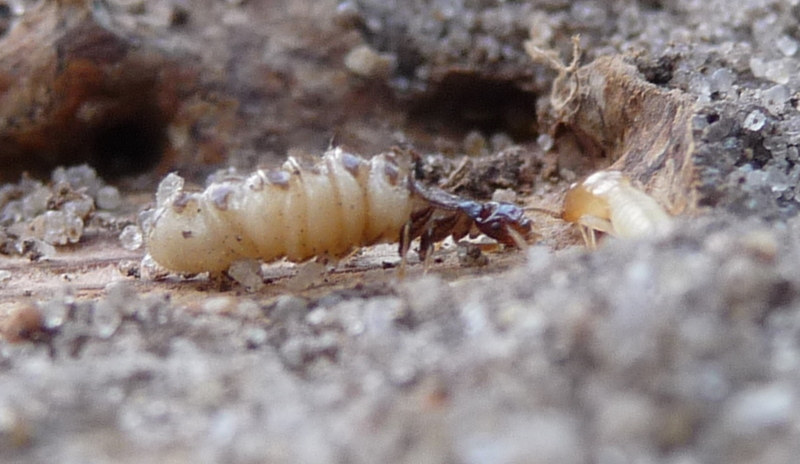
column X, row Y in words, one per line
column 128, row 146
column 119, row 127
column 464, row 102
column 658, row 71
column 6, row 16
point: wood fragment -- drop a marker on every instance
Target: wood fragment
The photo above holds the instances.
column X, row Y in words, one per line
column 644, row 129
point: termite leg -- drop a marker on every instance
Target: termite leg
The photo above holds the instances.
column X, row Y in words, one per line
column 426, row 245
column 589, row 237
column 519, row 240
column 589, row 226
column 405, row 245
column 428, row 261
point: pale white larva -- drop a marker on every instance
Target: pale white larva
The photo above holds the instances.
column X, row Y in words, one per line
column 297, row 212
column 607, row 202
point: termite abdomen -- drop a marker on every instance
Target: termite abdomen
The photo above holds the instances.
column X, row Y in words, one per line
column 301, row 211
column 295, row 212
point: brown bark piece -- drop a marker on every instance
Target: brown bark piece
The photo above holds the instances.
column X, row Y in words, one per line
column 72, row 91
column 644, row 129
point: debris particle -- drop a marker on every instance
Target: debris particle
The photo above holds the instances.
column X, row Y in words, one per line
column 131, row 237
column 288, row 308
column 106, row 318
column 505, row 196
column 23, row 322
column 168, row 187
column 36, row 249
column 786, row 44
column 108, row 198
column 721, row 81
column 248, row 273
column 475, row 144
column 219, row 305
column 754, row 121
column 545, row 142
column 363, row 61
column 775, row 98
column 55, row 312
column 471, row 255
column 500, row 141
column 779, row 71
column 81, row 177
column 756, row 409
column 150, row 269
column 57, row 228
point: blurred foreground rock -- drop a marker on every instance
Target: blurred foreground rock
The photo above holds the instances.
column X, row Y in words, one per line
column 682, row 350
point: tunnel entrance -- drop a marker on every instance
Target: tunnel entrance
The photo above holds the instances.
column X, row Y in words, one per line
column 128, row 145
column 465, row 101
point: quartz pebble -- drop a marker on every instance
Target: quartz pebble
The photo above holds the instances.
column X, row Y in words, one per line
column 131, row 237
column 167, row 188
column 754, row 121
column 37, row 249
column 775, row 98
column 248, row 273
column 364, row 61
column 786, row 44
column 779, row 71
column 308, row 274
column 475, row 144
column 81, row 177
column 38, row 216
column 106, row 318
column 545, row 142
column 57, row 227
column 35, row 202
column 108, row 198
column 722, row 80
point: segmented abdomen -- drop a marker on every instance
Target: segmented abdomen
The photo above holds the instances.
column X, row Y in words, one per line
column 636, row 214
column 296, row 212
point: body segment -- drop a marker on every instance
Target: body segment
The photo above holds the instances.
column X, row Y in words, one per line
column 294, row 213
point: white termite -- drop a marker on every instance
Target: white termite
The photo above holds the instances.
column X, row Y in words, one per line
column 302, row 211
column 606, row 201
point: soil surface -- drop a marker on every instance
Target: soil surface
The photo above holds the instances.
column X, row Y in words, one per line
column 683, row 348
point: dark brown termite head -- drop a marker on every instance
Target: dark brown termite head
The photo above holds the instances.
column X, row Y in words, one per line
column 504, row 222
column 439, row 214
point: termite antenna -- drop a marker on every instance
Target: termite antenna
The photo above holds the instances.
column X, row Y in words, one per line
column 549, row 212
